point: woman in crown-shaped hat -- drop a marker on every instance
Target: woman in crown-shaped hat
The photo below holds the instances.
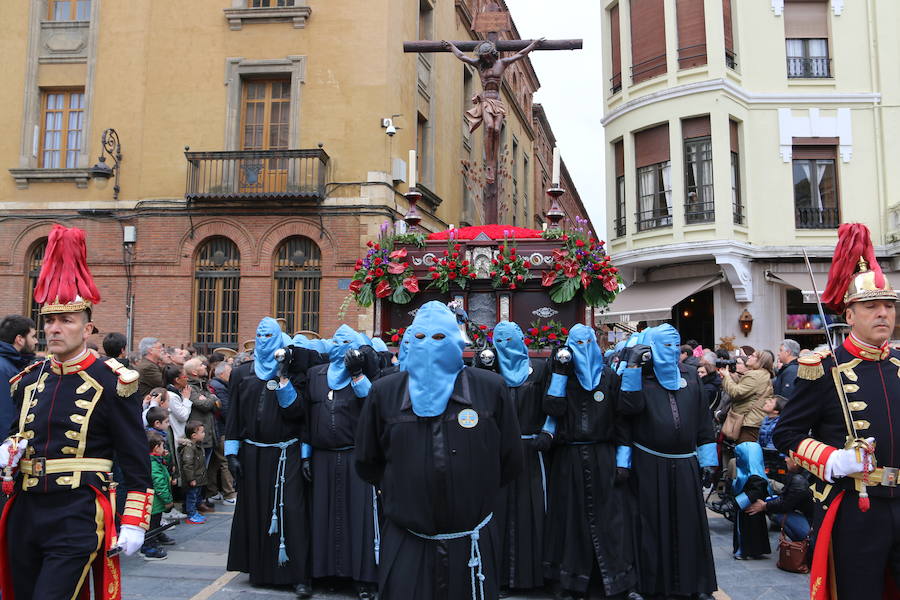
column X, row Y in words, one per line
column 76, row 413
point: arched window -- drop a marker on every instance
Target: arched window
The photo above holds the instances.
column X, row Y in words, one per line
column 217, row 276
column 298, row 273
column 33, row 268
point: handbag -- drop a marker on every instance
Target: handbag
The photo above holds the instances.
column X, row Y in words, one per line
column 731, row 429
column 792, row 555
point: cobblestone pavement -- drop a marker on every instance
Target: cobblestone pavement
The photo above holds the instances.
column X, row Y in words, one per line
column 195, row 570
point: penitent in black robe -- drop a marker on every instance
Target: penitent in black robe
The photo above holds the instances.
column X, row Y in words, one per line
column 751, row 532
column 342, row 508
column 256, row 415
column 588, row 527
column 672, row 533
column 523, row 501
column 438, row 475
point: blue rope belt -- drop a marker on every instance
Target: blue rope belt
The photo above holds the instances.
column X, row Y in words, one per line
column 663, row 454
column 534, row 436
column 581, row 443
column 377, row 538
column 277, row 523
column 475, row 552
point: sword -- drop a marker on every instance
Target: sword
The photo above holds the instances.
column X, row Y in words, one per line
column 863, row 451
column 150, row 535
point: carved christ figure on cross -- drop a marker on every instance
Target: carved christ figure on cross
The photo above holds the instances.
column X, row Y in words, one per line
column 489, row 108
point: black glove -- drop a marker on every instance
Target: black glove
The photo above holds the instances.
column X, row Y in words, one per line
column 542, row 442
column 355, row 362
column 561, row 361
column 622, row 474
column 708, row 476
column 639, row 355
column 306, row 468
column 486, row 358
column 234, row 465
column 372, row 362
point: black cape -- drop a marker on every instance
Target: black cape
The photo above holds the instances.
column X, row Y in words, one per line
column 672, row 533
column 343, row 515
column 256, row 415
column 588, row 526
column 522, row 502
column 438, row 476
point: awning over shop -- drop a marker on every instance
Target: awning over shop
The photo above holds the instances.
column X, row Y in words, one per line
column 653, row 300
column 800, row 281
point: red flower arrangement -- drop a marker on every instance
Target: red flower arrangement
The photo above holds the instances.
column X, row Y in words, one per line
column 452, row 267
column 383, row 273
column 508, row 269
column 545, row 335
column 582, row 265
column 392, row 337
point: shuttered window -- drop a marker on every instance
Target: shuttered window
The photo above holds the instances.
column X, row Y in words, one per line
column 217, row 279
column 699, row 206
column 691, row 33
column 736, row 202
column 298, row 275
column 615, row 42
column 654, row 178
column 728, row 18
column 648, row 39
column 816, row 198
column 619, row 153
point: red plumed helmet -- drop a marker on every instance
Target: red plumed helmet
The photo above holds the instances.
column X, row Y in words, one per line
column 65, row 283
column 855, row 274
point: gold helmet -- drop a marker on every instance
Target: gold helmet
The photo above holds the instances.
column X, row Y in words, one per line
column 864, row 286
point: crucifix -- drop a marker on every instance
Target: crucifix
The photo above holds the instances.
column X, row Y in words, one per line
column 489, row 109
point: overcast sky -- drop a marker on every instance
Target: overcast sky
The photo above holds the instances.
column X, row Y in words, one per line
column 571, row 89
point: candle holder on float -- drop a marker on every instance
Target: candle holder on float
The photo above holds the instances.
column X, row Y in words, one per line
column 555, row 213
column 412, row 216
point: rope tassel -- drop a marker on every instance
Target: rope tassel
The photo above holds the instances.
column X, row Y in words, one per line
column 273, row 526
column 282, row 555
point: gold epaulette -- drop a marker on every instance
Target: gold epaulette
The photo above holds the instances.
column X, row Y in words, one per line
column 14, row 380
column 128, row 379
column 810, row 366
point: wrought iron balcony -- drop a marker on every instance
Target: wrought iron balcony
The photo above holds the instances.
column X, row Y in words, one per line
column 256, row 175
column 620, row 226
column 816, row 218
column 800, row 67
column 653, row 219
column 699, row 212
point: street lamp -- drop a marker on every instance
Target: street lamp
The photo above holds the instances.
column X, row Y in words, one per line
column 101, row 172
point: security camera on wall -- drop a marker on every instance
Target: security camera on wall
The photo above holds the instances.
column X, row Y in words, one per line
column 389, row 128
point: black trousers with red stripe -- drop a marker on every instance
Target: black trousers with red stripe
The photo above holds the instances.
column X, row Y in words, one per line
column 52, row 539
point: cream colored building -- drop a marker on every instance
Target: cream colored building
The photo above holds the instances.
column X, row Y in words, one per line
column 256, row 159
column 740, row 133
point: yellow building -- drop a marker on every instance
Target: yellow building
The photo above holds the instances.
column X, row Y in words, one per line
column 739, row 134
column 263, row 142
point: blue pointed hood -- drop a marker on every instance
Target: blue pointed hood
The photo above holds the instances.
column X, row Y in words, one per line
column 664, row 341
column 344, row 339
column 403, row 349
column 268, row 340
column 588, row 358
column 434, row 359
column 379, row 345
column 749, row 461
column 512, row 354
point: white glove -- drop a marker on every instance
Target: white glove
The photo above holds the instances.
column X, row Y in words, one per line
column 843, row 462
column 18, row 452
column 131, row 538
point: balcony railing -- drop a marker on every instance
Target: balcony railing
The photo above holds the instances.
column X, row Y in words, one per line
column 816, row 218
column 730, row 59
column 256, row 175
column 699, row 212
column 692, row 56
column 800, row 67
column 738, row 210
column 653, row 218
column 648, row 68
column 620, row 226
column 615, row 83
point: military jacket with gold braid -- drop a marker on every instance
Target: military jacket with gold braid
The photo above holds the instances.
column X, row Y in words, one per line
column 871, row 380
column 77, row 416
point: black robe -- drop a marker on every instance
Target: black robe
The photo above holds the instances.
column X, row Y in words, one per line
column 672, row 533
column 522, row 502
column 343, row 515
column 588, row 527
column 751, row 532
column 438, row 476
column 256, row 415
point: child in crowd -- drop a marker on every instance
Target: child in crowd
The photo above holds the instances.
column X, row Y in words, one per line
column 772, row 407
column 162, row 498
column 193, row 469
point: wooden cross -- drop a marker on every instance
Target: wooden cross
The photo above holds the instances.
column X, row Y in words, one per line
column 491, row 22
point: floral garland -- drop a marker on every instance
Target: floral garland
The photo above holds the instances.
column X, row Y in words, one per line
column 509, row 269
column 582, row 264
column 392, row 337
column 548, row 335
column 452, row 267
column 384, row 273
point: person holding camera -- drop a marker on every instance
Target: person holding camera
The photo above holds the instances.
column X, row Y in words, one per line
column 673, row 439
column 343, row 505
column 748, row 388
column 270, row 537
column 588, row 525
